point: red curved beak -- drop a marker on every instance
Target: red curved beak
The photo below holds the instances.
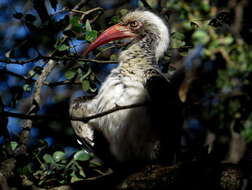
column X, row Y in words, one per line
column 115, row 32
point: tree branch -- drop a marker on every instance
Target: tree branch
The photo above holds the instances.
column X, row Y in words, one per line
column 83, row 119
column 35, row 106
column 77, row 58
column 6, row 171
column 3, row 182
column 86, row 12
column 238, row 7
column 59, row 83
column 56, row 58
column 20, row 62
column 101, row 114
column 50, row 84
column 146, row 4
column 5, row 71
column 189, row 175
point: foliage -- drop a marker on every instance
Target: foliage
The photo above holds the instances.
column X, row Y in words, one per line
column 214, row 50
column 51, row 166
column 226, row 56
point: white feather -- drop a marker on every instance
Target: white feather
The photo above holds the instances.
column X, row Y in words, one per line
column 163, row 32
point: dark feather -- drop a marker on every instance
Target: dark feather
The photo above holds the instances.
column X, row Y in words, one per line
column 166, row 111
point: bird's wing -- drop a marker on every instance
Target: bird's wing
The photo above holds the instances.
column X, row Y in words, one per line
column 165, row 108
column 88, row 134
column 161, row 90
column 81, row 107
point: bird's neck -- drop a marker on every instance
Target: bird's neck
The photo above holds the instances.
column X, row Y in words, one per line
column 140, row 55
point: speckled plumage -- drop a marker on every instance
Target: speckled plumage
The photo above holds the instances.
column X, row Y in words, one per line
column 142, row 133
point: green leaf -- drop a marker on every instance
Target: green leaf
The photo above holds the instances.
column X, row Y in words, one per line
column 70, row 74
column 86, row 74
column 177, row 40
column 85, row 85
column 206, row 6
column 95, row 162
column 247, row 131
column 114, row 57
column 228, row 40
column 74, row 177
column 82, row 173
column 201, row 36
column 91, row 35
column 77, row 29
column 31, row 73
column 27, row 88
column 26, row 170
column 175, row 43
column 48, row 159
column 76, row 26
column 75, row 21
column 81, row 156
column 58, row 156
column 178, row 35
column 82, row 62
column 13, row 145
column 88, row 26
column 115, row 20
column 124, row 11
column 62, row 47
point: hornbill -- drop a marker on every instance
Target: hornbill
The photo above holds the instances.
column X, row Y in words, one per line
column 145, row 133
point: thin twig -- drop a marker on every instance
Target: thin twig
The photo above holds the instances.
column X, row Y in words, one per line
column 30, row 117
column 86, row 12
column 5, row 71
column 59, row 83
column 56, row 58
column 101, row 114
column 20, row 62
column 146, row 5
column 83, row 119
column 75, row 58
column 50, row 84
column 238, row 7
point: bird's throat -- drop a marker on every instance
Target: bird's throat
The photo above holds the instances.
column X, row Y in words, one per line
column 139, row 55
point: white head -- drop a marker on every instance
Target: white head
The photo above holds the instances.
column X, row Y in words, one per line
column 147, row 23
column 137, row 24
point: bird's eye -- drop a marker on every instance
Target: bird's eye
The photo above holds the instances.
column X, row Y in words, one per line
column 133, row 24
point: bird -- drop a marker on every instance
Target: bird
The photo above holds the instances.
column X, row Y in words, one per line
column 147, row 133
